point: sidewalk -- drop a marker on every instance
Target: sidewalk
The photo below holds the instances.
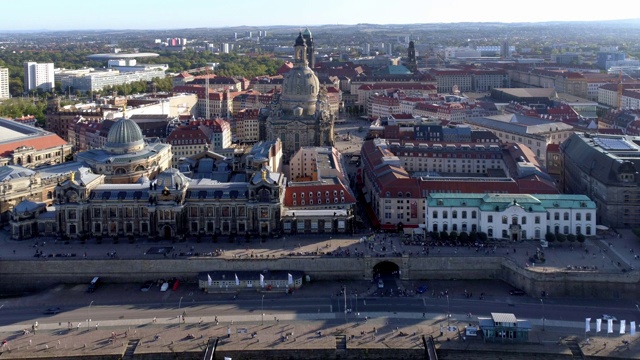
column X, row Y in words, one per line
column 288, row 331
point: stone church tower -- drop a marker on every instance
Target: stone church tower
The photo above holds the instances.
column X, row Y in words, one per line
column 308, row 40
column 412, row 64
column 300, row 115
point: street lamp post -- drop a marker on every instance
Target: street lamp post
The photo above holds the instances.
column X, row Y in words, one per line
column 448, row 311
column 89, row 314
column 542, row 302
column 357, row 313
column 262, row 310
column 345, row 303
column 180, row 303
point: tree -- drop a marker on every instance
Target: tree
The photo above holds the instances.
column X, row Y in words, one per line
column 15, row 87
column 444, row 235
column 464, row 237
column 561, row 238
column 453, row 235
column 581, row 238
column 550, row 237
column 571, row 238
column 482, row 236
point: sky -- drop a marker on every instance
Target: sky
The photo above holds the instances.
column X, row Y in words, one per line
column 175, row 14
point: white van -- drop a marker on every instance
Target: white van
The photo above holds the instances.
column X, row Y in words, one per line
column 93, row 284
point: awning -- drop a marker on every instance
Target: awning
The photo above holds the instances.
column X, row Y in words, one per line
column 388, row 227
column 602, row 227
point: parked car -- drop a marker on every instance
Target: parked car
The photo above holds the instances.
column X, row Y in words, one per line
column 146, row 286
column 517, row 292
column 164, row 287
column 52, row 311
column 608, row 317
column 421, row 289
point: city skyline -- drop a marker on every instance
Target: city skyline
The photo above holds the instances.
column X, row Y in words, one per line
column 161, row 14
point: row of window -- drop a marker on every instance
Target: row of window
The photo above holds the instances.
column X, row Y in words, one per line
column 505, row 220
column 454, row 214
column 319, row 194
column 505, row 232
column 327, row 201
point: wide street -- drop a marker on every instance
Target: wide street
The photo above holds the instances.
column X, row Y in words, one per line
column 124, row 303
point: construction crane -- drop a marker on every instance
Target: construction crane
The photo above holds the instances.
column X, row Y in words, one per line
column 206, row 91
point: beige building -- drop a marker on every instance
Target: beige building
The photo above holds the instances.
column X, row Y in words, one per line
column 31, row 147
column 534, row 132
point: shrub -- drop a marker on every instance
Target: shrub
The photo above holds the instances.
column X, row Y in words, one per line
column 550, row 237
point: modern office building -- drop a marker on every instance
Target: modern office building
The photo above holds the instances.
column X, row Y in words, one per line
column 4, row 83
column 38, row 76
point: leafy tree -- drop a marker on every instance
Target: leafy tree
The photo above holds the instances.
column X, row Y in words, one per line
column 482, row 236
column 444, row 235
column 561, row 238
column 571, row 238
column 581, row 238
column 16, row 88
column 550, row 237
column 453, row 235
column 17, row 107
column 464, row 237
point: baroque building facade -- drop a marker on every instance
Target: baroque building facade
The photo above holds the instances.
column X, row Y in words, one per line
column 301, row 114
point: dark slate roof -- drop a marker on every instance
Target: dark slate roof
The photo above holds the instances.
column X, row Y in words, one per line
column 603, row 156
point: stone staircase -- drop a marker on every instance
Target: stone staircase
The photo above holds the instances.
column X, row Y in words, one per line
column 575, row 349
column 341, row 342
column 131, row 349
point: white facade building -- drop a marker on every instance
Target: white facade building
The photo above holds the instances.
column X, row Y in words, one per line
column 4, row 83
column 38, row 76
column 511, row 216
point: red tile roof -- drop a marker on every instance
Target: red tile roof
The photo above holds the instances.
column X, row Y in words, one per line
column 311, row 193
column 38, row 143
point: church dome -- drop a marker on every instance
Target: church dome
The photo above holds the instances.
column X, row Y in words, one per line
column 124, row 137
column 300, row 89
